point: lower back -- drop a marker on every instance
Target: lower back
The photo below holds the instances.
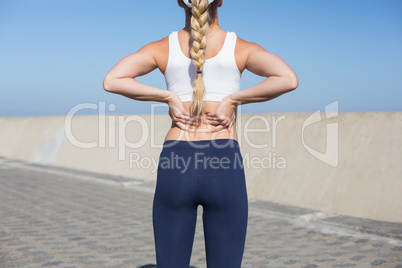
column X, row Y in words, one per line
column 176, row 133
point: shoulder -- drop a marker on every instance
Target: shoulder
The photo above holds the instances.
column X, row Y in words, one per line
column 157, row 52
column 248, row 47
column 155, row 47
column 244, row 51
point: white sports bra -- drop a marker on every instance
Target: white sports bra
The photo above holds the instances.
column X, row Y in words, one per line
column 221, row 75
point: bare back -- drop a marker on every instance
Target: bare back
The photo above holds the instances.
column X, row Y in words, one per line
column 215, row 43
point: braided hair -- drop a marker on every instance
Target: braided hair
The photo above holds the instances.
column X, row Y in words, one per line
column 202, row 14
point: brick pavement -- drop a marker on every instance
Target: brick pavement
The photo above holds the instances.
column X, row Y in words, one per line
column 59, row 218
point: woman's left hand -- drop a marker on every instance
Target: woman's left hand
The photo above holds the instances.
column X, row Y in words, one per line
column 224, row 116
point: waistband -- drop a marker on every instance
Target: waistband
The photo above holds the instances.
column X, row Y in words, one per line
column 202, row 144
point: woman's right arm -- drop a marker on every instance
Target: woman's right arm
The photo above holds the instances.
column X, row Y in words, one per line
column 121, row 80
column 280, row 77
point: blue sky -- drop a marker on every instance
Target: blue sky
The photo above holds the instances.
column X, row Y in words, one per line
column 55, row 54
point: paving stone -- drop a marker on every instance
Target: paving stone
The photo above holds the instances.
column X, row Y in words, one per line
column 357, row 258
column 54, row 220
column 344, row 265
column 310, row 266
column 377, row 262
column 54, row 263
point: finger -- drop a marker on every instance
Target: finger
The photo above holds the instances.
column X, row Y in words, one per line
column 219, row 118
column 180, row 112
column 225, row 122
column 192, row 121
column 230, row 126
column 189, row 121
column 183, row 126
column 179, row 120
column 213, row 123
column 187, row 124
column 184, row 116
column 211, row 115
column 214, row 119
column 222, row 117
column 185, row 112
column 183, row 119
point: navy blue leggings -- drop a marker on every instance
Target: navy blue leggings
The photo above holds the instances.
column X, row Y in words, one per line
column 208, row 173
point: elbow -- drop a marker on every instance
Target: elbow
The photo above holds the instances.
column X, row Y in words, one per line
column 108, row 84
column 293, row 82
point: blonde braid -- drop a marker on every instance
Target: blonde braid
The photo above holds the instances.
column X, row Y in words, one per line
column 199, row 29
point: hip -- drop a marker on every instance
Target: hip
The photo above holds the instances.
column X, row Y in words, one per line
column 217, row 155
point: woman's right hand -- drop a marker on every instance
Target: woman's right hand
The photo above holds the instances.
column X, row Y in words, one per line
column 179, row 115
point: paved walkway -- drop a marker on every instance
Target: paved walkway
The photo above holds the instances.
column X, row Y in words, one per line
column 59, row 218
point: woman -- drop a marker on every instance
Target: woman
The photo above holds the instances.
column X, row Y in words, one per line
column 202, row 65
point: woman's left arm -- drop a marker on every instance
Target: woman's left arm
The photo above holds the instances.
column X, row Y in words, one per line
column 280, row 79
column 121, row 80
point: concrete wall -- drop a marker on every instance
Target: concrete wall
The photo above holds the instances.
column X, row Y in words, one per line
column 346, row 163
